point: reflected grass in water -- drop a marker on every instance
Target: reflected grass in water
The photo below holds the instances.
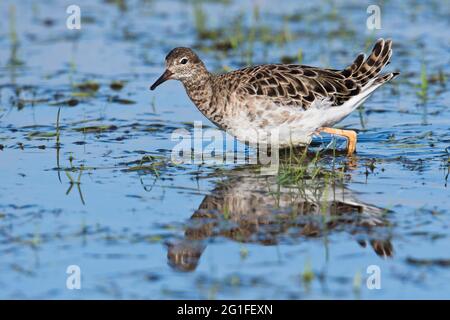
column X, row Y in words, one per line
column 305, row 200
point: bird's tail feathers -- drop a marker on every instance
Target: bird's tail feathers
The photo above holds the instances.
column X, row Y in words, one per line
column 365, row 71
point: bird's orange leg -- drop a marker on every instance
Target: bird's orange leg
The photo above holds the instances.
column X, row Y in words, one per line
column 350, row 135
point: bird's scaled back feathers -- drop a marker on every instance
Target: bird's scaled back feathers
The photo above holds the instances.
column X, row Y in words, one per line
column 300, row 86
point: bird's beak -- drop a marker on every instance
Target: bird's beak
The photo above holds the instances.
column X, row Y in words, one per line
column 164, row 77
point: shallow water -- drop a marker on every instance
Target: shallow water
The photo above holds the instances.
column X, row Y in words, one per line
column 107, row 198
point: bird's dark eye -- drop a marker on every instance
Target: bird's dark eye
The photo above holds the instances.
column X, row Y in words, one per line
column 183, row 61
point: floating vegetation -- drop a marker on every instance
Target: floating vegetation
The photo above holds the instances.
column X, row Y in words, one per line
column 83, row 94
column 148, row 163
column 39, row 134
column 119, row 100
column 72, row 102
column 117, row 85
column 428, row 262
column 90, row 86
column 439, row 77
column 96, row 129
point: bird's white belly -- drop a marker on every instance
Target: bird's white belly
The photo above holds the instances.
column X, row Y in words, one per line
column 282, row 135
column 284, row 125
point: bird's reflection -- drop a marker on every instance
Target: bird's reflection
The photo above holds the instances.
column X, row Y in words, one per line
column 250, row 207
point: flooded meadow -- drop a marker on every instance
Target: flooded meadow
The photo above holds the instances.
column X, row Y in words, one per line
column 87, row 177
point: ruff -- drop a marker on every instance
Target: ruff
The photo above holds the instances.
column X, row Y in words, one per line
column 285, row 104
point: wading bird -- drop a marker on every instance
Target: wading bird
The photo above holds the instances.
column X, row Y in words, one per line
column 293, row 102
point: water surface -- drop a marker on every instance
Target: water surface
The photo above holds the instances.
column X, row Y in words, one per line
column 99, row 191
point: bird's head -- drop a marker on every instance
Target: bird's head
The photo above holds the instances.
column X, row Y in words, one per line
column 181, row 64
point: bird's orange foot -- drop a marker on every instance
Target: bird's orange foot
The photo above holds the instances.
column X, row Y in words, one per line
column 350, row 135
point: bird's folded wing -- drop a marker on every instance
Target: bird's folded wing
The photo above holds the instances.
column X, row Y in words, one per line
column 296, row 85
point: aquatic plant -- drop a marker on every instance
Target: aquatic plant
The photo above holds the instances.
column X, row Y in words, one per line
column 201, row 27
column 423, row 87
column 88, row 87
column 148, row 163
column 307, row 275
column 243, row 252
column 77, row 182
column 58, row 143
column 357, row 282
column 300, row 56
column 117, row 85
column 13, row 39
column 287, row 59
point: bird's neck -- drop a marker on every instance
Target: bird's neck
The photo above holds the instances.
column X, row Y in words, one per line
column 199, row 88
